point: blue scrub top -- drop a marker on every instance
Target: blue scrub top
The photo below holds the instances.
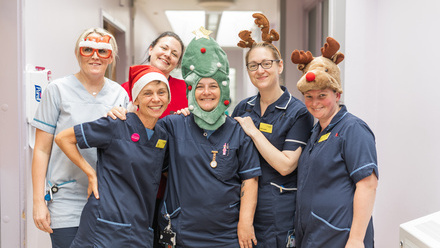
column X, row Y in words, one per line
column 203, row 201
column 334, row 160
column 286, row 123
column 128, row 169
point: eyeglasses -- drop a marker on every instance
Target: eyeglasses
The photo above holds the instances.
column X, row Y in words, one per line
column 88, row 52
column 265, row 64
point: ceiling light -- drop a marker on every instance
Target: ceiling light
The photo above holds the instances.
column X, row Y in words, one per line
column 216, row 5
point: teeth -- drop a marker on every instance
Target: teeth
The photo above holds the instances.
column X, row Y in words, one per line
column 156, row 108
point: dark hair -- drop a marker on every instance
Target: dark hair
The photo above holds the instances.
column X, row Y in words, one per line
column 167, row 34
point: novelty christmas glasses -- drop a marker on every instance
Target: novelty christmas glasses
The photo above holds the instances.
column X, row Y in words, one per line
column 100, row 45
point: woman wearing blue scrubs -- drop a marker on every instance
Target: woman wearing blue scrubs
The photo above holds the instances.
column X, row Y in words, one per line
column 131, row 154
column 213, row 171
column 279, row 126
column 337, row 172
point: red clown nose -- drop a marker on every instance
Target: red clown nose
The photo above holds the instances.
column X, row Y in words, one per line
column 310, row 76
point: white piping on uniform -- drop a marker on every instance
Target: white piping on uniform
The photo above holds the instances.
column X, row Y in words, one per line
column 283, row 188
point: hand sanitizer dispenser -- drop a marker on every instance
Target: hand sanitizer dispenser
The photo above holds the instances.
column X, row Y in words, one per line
column 37, row 79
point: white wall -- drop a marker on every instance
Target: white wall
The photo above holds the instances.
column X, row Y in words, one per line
column 144, row 34
column 52, row 28
column 294, row 39
column 11, row 125
column 391, row 60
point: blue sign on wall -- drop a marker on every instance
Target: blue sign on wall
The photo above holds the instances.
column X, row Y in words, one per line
column 37, row 93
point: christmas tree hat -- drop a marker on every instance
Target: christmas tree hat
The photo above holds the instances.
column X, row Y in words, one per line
column 204, row 58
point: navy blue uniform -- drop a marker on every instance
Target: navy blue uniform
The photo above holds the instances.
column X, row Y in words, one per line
column 286, row 123
column 203, row 202
column 334, row 160
column 128, row 169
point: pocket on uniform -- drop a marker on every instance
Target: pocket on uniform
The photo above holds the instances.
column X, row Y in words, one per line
column 111, row 234
column 284, row 205
column 227, row 164
column 325, row 234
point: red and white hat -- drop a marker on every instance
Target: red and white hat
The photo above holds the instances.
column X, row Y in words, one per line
column 141, row 75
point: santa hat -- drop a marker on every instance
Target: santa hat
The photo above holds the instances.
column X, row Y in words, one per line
column 141, row 75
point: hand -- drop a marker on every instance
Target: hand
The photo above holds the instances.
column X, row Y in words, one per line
column 42, row 217
column 247, row 124
column 184, row 111
column 246, row 235
column 117, row 112
column 354, row 243
column 93, row 186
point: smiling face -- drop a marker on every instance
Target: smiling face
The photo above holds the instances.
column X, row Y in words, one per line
column 207, row 94
column 165, row 54
column 322, row 104
column 94, row 65
column 264, row 78
column 152, row 100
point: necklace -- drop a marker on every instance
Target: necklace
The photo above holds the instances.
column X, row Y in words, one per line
column 94, row 93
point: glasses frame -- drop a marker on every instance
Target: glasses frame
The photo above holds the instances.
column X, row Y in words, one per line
column 261, row 64
column 95, row 51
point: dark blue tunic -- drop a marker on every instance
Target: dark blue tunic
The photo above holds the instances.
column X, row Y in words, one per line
column 128, row 171
column 333, row 161
column 291, row 124
column 204, row 202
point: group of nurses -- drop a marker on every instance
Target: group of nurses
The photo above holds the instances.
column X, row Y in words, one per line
column 230, row 182
column 131, row 155
column 279, row 125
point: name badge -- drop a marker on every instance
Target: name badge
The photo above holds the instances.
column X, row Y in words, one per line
column 267, row 128
column 324, row 137
column 161, row 143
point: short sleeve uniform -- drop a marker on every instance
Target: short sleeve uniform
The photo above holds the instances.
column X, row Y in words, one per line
column 203, row 200
column 66, row 103
column 333, row 161
column 128, row 169
column 286, row 123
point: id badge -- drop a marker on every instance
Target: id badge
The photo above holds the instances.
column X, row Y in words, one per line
column 167, row 238
column 291, row 239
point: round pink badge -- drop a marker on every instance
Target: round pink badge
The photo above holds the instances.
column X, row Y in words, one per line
column 135, row 137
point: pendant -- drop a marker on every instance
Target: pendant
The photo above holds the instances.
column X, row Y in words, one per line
column 213, row 162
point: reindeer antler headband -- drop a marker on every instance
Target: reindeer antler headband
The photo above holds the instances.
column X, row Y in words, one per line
column 263, row 23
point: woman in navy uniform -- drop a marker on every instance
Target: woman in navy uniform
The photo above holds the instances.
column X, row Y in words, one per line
column 131, row 154
column 279, row 125
column 337, row 172
column 213, row 171
column 211, row 192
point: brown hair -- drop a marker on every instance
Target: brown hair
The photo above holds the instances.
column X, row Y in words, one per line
column 167, row 34
column 275, row 52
